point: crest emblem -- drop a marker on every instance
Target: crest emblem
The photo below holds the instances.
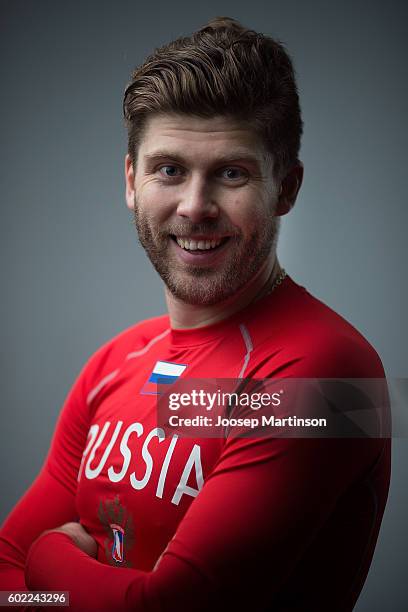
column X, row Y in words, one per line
column 118, row 526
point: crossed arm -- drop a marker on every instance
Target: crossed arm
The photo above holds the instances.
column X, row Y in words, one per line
column 239, row 541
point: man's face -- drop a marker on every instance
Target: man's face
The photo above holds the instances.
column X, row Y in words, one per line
column 204, row 199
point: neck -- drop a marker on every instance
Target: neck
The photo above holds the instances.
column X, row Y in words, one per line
column 188, row 316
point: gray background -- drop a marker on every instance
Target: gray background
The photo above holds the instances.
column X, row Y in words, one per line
column 72, row 272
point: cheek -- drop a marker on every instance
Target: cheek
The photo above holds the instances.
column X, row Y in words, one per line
column 245, row 214
column 153, row 202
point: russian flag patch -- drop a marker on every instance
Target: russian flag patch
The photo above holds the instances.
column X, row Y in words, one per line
column 164, row 373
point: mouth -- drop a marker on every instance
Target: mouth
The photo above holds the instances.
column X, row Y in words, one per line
column 201, row 251
column 199, row 244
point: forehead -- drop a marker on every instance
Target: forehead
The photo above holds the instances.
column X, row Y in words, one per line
column 218, row 136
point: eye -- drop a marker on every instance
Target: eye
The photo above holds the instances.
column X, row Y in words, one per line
column 169, row 171
column 234, row 174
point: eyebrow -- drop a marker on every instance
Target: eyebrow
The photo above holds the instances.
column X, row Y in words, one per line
column 237, row 155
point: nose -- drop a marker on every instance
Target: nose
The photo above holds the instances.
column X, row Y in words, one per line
column 197, row 202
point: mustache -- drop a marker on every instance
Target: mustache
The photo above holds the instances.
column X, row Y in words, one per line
column 204, row 228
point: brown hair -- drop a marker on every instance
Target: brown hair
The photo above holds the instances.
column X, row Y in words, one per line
column 222, row 69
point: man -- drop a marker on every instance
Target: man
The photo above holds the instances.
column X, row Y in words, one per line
column 126, row 516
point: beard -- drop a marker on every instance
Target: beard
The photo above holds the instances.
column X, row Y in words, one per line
column 206, row 286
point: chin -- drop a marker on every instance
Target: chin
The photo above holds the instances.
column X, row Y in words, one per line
column 201, row 291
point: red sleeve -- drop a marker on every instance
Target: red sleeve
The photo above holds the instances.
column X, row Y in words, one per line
column 45, row 505
column 50, row 501
column 256, row 514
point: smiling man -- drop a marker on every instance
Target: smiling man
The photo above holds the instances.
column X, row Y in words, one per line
column 206, row 209
column 126, row 515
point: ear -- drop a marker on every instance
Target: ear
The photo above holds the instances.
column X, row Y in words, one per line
column 130, row 183
column 290, row 186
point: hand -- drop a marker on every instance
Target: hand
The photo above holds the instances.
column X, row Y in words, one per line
column 79, row 536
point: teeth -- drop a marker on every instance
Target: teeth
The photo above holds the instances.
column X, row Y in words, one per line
column 200, row 245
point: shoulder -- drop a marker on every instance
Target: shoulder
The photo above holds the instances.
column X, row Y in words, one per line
column 332, row 345
column 306, row 338
column 111, row 355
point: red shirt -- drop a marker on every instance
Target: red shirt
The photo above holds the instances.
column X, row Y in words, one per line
column 183, row 523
